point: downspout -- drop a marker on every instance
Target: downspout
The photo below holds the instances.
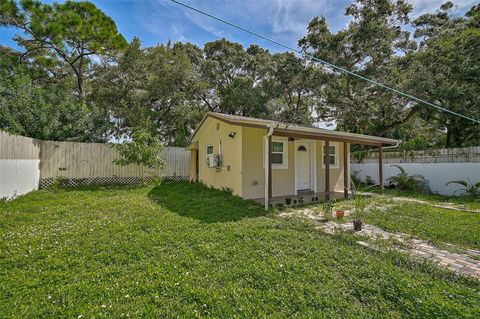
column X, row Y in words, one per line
column 380, row 163
column 267, row 167
column 393, row 146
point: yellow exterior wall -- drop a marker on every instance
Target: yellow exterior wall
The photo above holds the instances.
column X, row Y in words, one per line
column 244, row 154
column 231, row 156
column 336, row 173
column 253, row 174
column 193, row 165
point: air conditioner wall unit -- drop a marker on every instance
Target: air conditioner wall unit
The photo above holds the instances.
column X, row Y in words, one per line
column 214, row 160
column 218, row 160
column 210, row 160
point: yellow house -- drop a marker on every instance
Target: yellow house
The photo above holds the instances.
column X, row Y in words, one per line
column 268, row 160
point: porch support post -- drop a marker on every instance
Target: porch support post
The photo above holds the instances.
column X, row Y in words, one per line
column 380, row 167
column 270, row 167
column 346, row 179
column 327, row 169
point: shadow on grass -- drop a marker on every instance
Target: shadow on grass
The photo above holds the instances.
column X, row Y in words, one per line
column 207, row 205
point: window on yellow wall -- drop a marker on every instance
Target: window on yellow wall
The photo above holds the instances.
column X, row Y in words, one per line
column 209, row 156
column 333, row 155
column 279, row 154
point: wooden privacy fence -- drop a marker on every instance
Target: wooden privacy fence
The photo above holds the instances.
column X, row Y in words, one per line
column 92, row 163
column 442, row 155
column 86, row 163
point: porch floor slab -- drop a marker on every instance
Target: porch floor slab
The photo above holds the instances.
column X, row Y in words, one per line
column 302, row 198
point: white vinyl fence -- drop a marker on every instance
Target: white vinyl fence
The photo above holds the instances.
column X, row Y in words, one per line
column 27, row 164
column 438, row 166
column 19, row 165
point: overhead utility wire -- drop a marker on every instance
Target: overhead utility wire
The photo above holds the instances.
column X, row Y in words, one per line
column 333, row 66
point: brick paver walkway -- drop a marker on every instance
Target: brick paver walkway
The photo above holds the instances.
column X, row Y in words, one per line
column 463, row 261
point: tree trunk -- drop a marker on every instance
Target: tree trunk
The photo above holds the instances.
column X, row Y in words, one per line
column 80, row 79
column 448, row 139
column 407, row 118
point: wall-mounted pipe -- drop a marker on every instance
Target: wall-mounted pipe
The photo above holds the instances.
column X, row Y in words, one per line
column 267, row 167
column 393, row 146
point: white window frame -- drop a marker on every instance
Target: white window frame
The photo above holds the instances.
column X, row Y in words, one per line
column 284, row 165
column 335, row 145
column 207, row 155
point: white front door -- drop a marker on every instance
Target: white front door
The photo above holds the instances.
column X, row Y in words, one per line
column 303, row 165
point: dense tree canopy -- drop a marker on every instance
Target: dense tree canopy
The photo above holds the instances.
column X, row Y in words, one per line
column 368, row 47
column 44, row 110
column 446, row 70
column 77, row 78
column 62, row 37
column 152, row 89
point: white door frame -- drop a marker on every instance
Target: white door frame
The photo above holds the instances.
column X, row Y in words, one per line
column 313, row 163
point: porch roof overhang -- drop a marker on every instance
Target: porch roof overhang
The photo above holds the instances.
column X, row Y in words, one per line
column 294, row 130
column 192, row 146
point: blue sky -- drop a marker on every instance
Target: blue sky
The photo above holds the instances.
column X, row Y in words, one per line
column 157, row 21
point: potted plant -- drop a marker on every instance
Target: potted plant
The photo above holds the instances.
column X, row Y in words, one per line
column 357, row 224
column 339, row 213
column 288, row 200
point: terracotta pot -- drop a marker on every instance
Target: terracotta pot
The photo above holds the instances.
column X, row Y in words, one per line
column 339, row 213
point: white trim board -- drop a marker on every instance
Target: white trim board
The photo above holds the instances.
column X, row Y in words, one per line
column 337, row 148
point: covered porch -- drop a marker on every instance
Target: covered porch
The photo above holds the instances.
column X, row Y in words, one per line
column 311, row 193
column 301, row 198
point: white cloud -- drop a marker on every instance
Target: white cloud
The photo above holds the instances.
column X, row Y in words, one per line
column 283, row 20
column 177, row 34
column 424, row 6
column 204, row 23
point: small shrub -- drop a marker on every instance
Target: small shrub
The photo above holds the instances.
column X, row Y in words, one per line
column 328, row 206
column 405, row 181
column 58, row 183
column 469, row 188
column 142, row 150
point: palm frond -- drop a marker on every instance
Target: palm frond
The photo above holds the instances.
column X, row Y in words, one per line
column 402, row 170
column 460, row 182
column 418, row 176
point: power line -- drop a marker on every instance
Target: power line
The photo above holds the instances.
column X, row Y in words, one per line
column 333, row 66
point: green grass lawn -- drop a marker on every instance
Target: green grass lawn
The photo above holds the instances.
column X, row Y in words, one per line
column 423, row 220
column 438, row 225
column 185, row 251
column 468, row 202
